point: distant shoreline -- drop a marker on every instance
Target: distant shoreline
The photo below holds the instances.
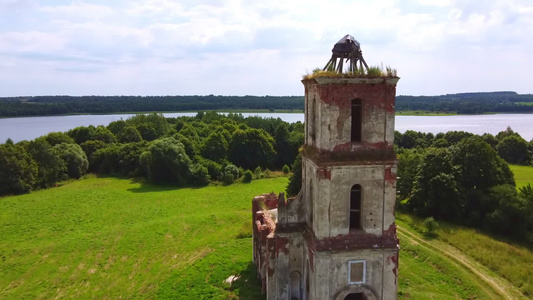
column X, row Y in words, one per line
column 418, row 113
column 450, row 104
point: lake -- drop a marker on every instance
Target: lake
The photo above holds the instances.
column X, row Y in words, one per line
column 28, row 128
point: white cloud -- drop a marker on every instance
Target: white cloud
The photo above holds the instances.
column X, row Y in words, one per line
column 78, row 11
column 251, row 47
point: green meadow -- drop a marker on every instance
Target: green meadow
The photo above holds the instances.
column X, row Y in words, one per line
column 111, row 238
column 523, row 175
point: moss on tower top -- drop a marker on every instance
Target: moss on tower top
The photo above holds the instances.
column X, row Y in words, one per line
column 373, row 71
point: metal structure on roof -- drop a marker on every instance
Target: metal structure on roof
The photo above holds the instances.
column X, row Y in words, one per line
column 350, row 49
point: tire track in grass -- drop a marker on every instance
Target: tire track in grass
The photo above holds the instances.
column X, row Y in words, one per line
column 496, row 284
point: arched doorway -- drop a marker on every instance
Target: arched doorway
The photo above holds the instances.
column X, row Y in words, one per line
column 355, row 296
column 355, row 291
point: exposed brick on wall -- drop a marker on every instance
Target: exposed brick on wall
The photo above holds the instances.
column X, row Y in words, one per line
column 390, row 176
column 361, row 156
column 374, row 94
column 353, row 240
column 324, row 173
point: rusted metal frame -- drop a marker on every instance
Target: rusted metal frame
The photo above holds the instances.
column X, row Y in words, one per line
column 339, row 70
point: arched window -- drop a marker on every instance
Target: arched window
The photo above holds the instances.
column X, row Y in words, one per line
column 296, row 285
column 313, row 121
column 311, row 199
column 357, row 120
column 307, row 280
column 355, row 207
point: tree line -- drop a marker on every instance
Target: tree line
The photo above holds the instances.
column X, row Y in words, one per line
column 184, row 151
column 464, row 103
column 60, row 105
column 468, row 103
column 464, row 178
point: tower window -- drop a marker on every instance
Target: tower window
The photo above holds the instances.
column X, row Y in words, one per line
column 357, row 120
column 313, row 121
column 355, row 207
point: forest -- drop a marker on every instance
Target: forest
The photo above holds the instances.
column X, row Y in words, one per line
column 184, row 151
column 464, row 103
column 60, row 105
column 468, row 103
column 465, row 179
column 455, row 176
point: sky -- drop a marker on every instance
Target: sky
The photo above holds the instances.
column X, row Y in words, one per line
column 202, row 47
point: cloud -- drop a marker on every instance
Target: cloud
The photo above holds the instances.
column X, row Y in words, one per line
column 7, row 6
column 78, row 11
column 250, row 47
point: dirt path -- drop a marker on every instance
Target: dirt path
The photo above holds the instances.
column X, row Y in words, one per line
column 497, row 285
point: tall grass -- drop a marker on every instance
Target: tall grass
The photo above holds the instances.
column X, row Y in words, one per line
column 510, row 261
column 425, row 275
column 373, row 71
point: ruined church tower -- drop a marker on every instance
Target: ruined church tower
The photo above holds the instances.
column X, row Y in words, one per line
column 337, row 238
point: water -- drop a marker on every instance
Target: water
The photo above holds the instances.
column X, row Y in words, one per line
column 28, row 128
column 478, row 124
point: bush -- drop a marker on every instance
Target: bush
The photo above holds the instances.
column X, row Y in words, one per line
column 247, row 176
column 213, row 168
column 199, row 175
column 18, row 171
column 258, row 173
column 431, row 225
column 295, row 181
column 166, row 161
column 227, row 178
column 233, row 170
column 286, row 169
column 74, row 158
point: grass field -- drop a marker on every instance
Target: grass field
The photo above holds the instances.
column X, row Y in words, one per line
column 425, row 274
column 523, row 175
column 525, row 103
column 508, row 260
column 114, row 238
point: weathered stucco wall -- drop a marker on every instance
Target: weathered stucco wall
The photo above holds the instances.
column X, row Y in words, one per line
column 329, row 274
column 328, row 111
column 328, row 197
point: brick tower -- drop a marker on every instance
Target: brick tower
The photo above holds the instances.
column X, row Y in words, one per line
column 337, row 238
column 349, row 186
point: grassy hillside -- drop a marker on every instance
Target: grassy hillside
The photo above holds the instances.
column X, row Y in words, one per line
column 523, row 175
column 113, row 238
column 494, row 262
